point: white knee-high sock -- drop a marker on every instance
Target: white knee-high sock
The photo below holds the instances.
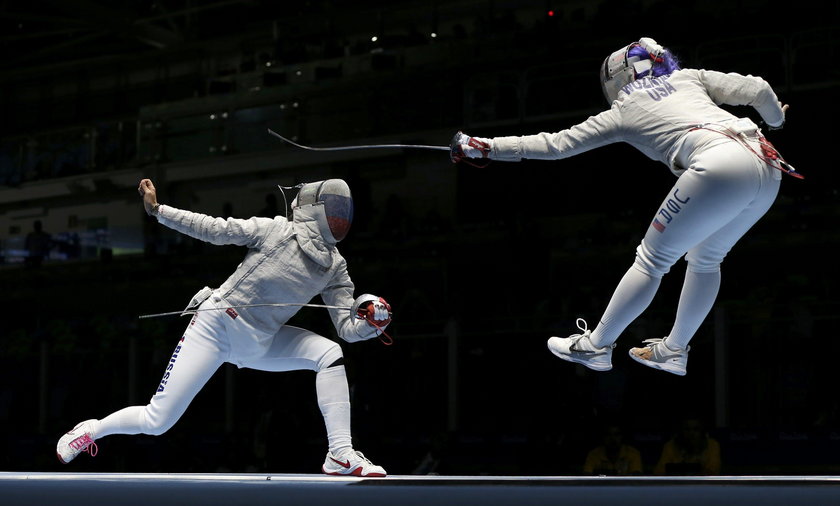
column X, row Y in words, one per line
column 633, row 294
column 334, row 402
column 699, row 291
column 125, row 421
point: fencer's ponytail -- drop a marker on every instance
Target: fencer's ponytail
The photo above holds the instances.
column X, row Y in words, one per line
column 666, row 64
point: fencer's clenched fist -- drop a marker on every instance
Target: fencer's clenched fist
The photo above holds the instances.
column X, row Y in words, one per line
column 380, row 312
column 463, row 146
column 375, row 310
column 149, row 194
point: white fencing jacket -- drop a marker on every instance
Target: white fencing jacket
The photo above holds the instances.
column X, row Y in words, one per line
column 653, row 115
column 286, row 262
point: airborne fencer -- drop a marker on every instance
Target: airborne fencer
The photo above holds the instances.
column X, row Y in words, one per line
column 728, row 176
column 290, row 261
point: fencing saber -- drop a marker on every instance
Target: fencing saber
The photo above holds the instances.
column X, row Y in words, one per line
column 366, row 146
column 386, row 339
column 278, row 304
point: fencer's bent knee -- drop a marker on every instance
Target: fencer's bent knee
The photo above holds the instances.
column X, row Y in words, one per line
column 157, row 430
column 155, row 423
column 337, row 363
column 331, row 355
column 652, row 263
column 702, row 264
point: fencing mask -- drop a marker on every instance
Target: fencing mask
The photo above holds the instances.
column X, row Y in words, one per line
column 334, row 195
column 621, row 68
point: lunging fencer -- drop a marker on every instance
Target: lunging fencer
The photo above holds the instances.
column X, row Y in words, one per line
column 728, row 176
column 287, row 261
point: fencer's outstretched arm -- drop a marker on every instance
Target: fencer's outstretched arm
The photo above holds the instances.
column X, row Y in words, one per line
column 645, row 119
column 219, row 231
column 596, row 131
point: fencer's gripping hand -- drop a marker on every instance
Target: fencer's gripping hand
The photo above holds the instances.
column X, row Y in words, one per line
column 374, row 310
column 149, row 194
column 463, row 146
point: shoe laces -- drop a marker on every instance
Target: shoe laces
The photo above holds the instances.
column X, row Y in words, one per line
column 84, row 443
column 581, row 324
column 584, row 328
column 660, row 341
column 576, row 338
column 586, row 333
column 362, row 457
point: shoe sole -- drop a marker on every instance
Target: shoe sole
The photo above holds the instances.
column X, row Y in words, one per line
column 356, row 472
column 570, row 358
column 658, row 365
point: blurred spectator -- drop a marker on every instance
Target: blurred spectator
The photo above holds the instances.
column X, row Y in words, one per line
column 613, row 457
column 38, row 244
column 690, row 452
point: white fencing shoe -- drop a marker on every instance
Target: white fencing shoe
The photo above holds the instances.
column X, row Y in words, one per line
column 351, row 463
column 78, row 440
column 656, row 354
column 578, row 348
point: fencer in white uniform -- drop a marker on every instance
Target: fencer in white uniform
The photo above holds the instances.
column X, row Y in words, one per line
column 288, row 261
column 728, row 176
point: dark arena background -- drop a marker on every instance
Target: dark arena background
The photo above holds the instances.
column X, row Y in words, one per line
column 481, row 265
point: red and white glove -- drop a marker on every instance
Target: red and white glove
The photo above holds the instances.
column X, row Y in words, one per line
column 375, row 310
column 463, row 146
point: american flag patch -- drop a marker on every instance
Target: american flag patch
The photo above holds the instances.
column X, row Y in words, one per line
column 231, row 312
column 658, row 226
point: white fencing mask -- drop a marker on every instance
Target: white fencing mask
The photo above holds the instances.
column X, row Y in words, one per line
column 620, row 69
column 334, row 195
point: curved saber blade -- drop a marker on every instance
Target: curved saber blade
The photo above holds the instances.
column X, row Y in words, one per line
column 367, row 146
column 279, row 304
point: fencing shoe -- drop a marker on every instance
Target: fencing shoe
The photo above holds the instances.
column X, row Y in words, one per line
column 76, row 441
column 578, row 348
column 351, row 463
column 656, row 354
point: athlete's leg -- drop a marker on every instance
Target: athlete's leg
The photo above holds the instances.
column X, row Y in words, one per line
column 294, row 349
column 702, row 277
column 633, row 294
column 698, row 295
column 720, row 183
column 202, row 349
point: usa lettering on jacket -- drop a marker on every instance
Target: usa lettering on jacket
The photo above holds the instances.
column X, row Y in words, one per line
column 656, row 87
